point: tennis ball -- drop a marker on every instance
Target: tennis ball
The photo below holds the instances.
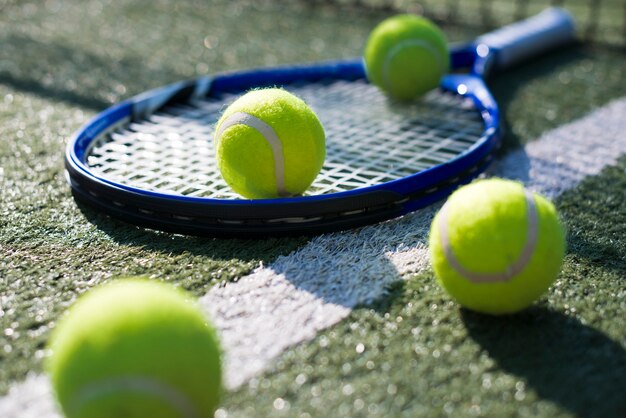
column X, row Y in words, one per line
column 269, row 144
column 496, row 247
column 406, row 56
column 135, row 349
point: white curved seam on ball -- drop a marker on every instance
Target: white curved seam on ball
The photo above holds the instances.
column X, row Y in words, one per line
column 407, row 44
column 532, row 235
column 136, row 384
column 532, row 219
column 269, row 134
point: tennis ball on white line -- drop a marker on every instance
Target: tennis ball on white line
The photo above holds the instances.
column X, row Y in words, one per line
column 406, row 56
column 496, row 247
column 135, row 349
column 269, row 144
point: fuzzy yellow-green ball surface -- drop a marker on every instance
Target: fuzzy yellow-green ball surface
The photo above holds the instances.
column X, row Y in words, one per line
column 269, row 143
column 496, row 247
column 406, row 56
column 135, row 349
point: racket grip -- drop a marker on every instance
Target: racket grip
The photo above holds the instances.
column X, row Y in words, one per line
column 519, row 41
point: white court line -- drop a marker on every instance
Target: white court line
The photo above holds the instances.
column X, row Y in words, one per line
column 315, row 287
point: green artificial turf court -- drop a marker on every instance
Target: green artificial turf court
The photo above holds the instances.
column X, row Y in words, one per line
column 422, row 356
column 411, row 352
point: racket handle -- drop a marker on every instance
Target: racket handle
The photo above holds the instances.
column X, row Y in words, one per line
column 519, row 41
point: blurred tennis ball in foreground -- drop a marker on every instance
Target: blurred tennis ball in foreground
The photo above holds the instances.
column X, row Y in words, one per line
column 269, row 144
column 406, row 56
column 496, row 247
column 135, row 349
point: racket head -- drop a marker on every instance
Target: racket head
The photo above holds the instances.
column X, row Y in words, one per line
column 469, row 113
column 332, row 205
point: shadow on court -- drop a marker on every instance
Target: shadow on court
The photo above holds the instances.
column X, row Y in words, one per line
column 506, row 85
column 265, row 250
column 563, row 360
column 73, row 75
column 347, row 269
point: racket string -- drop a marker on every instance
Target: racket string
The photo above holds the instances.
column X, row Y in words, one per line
column 369, row 141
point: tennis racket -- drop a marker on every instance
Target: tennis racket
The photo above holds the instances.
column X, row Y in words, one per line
column 150, row 161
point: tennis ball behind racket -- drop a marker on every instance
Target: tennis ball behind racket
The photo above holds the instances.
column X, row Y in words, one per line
column 406, row 56
column 135, row 349
column 496, row 247
column 269, row 144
